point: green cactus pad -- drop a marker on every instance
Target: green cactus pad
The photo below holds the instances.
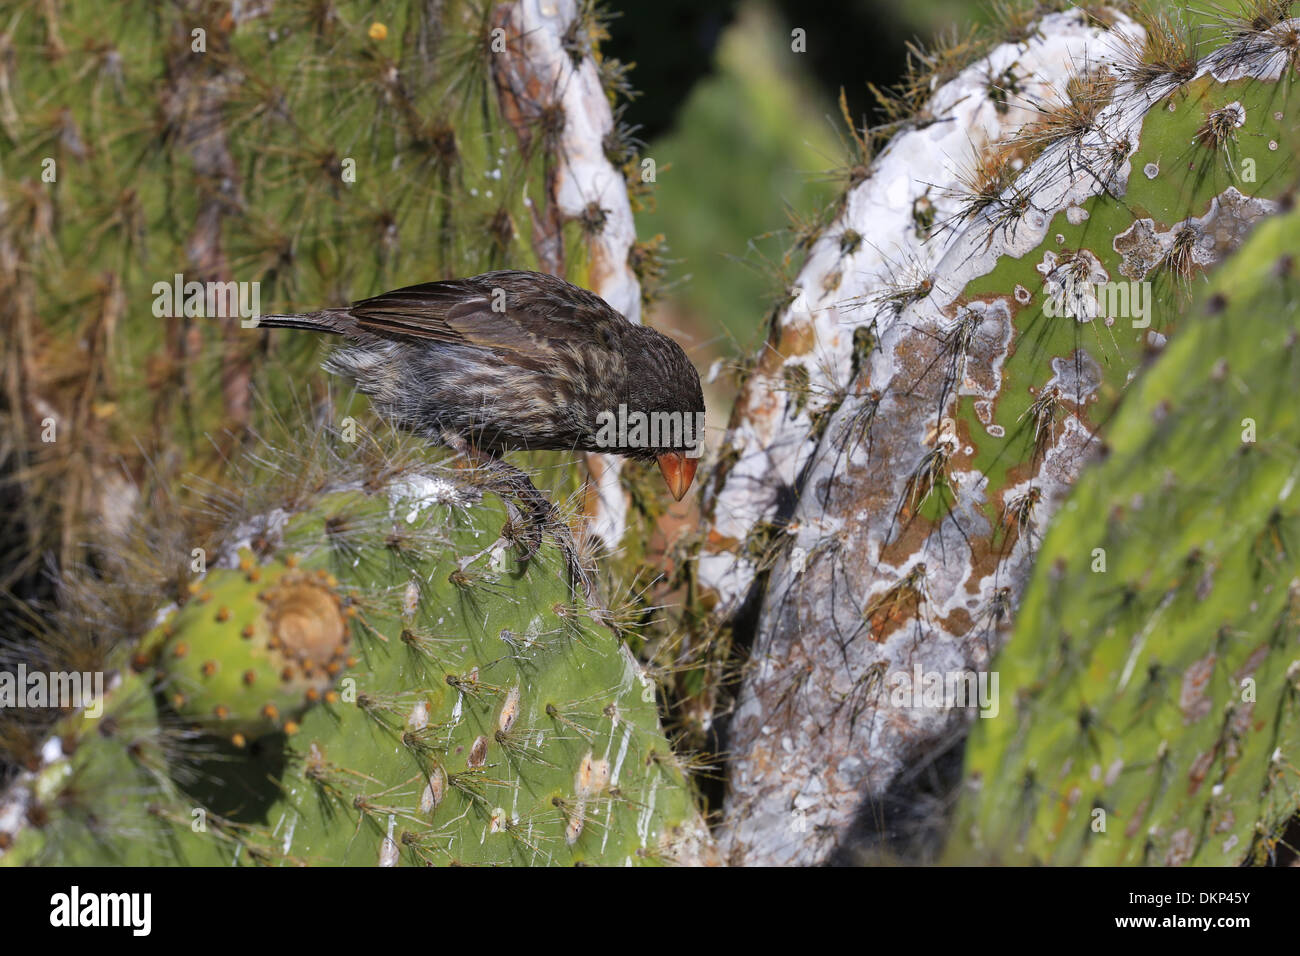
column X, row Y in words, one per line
column 478, row 715
column 1153, row 712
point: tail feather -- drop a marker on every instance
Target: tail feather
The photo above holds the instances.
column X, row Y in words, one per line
column 329, row 321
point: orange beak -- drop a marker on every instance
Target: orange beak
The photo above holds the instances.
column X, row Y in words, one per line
column 678, row 472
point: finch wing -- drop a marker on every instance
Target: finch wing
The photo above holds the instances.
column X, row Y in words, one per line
column 519, row 315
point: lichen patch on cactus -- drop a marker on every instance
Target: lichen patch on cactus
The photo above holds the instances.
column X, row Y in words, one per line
column 927, row 161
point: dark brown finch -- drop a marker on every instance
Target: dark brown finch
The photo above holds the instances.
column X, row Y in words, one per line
column 513, row 360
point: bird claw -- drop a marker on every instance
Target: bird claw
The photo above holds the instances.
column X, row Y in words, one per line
column 525, row 535
column 532, row 517
column 526, row 531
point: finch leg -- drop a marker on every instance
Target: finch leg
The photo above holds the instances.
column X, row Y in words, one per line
column 532, row 516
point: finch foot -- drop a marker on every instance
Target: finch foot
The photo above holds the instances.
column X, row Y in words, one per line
column 533, row 519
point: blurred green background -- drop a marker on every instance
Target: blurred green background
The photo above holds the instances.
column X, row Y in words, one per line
column 746, row 133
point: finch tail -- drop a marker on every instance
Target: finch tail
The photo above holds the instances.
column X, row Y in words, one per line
column 329, row 321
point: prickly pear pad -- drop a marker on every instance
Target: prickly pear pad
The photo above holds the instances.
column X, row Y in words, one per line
column 1153, row 715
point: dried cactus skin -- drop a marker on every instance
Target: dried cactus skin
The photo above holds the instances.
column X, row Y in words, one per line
column 1152, row 716
column 477, row 717
column 924, row 467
